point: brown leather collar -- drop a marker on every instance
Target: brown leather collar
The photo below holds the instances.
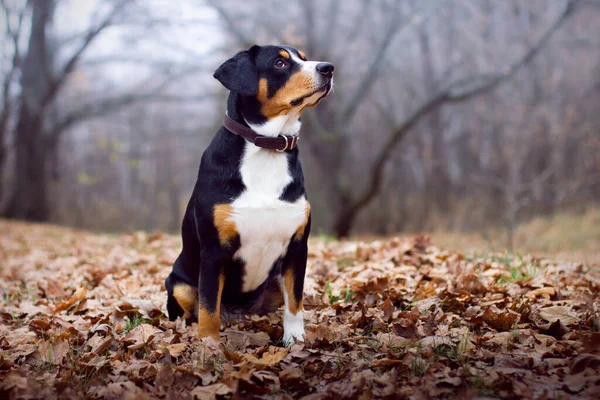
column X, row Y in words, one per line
column 280, row 143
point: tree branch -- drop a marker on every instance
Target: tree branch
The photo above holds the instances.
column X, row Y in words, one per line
column 57, row 83
column 372, row 73
column 110, row 105
column 9, row 77
column 232, row 26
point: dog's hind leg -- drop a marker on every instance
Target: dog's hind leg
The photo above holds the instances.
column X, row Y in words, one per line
column 181, row 299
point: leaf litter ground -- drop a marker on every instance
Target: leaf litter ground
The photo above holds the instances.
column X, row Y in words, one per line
column 82, row 315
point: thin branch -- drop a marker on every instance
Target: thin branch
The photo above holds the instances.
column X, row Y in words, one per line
column 489, row 82
column 372, row 73
column 232, row 25
column 9, row 77
column 57, row 83
column 114, row 104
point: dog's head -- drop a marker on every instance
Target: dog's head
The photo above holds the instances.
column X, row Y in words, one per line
column 276, row 84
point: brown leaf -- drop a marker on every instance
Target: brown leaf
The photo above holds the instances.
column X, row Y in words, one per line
column 79, row 295
column 211, row 392
column 240, row 340
column 386, row 362
column 175, row 350
column 392, row 341
column 584, row 361
column 165, row 375
column 388, row 309
column 268, row 359
column 503, row 339
column 290, row 374
column 405, row 329
column 556, row 329
column 501, row 320
column 544, row 292
column 146, row 307
column 140, row 336
column 555, row 313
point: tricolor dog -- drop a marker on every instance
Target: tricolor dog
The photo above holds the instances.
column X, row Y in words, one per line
column 246, row 226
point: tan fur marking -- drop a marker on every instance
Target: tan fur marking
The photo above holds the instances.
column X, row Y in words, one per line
column 302, row 56
column 209, row 323
column 226, row 228
column 297, row 86
column 288, row 283
column 300, row 231
column 186, row 296
column 284, row 54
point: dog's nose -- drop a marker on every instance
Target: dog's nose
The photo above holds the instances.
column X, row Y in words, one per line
column 325, row 68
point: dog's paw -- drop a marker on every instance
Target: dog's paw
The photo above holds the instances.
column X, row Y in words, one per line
column 293, row 336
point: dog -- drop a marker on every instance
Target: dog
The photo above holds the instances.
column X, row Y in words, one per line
column 246, row 226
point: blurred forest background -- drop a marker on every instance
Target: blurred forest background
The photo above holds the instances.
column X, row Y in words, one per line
column 458, row 115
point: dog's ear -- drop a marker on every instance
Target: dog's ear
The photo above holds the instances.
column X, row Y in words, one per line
column 239, row 74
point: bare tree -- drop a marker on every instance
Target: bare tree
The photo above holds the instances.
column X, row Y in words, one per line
column 39, row 128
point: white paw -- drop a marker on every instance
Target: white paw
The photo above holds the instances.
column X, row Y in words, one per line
column 293, row 336
column 293, row 328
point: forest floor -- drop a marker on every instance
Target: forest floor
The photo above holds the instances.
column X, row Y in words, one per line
column 82, row 315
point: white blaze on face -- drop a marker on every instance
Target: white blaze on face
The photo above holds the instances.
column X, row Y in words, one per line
column 289, row 124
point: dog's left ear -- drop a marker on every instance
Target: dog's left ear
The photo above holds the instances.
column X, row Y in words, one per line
column 239, row 74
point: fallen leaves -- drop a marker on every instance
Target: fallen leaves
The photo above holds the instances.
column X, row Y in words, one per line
column 78, row 296
column 83, row 316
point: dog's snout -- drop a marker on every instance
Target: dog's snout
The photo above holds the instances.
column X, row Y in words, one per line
column 325, row 68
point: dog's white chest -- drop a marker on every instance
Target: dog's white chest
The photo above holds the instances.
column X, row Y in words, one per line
column 265, row 223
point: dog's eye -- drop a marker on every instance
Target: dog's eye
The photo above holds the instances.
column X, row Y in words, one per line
column 279, row 63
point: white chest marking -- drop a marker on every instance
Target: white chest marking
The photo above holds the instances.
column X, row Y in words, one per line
column 265, row 223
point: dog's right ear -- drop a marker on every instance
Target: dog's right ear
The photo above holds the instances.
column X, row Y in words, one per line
column 239, row 74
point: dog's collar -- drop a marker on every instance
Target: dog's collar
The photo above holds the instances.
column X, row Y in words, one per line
column 280, row 143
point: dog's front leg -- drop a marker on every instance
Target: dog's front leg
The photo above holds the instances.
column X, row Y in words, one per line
column 210, row 288
column 292, row 286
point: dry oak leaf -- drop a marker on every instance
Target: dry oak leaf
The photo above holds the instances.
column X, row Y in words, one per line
column 22, row 350
column 239, row 340
column 140, row 336
column 391, row 340
column 211, row 392
column 268, row 359
column 500, row 339
column 386, row 362
column 99, row 344
column 432, row 342
column 583, row 361
column 165, row 375
column 123, row 390
column 552, row 314
column 544, row 292
column 145, row 307
column 501, row 320
column 388, row 309
column 66, row 304
column 176, row 349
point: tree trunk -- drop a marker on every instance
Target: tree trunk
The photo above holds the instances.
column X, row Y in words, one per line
column 437, row 188
column 29, row 199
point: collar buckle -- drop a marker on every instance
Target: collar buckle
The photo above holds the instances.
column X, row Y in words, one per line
column 286, row 144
